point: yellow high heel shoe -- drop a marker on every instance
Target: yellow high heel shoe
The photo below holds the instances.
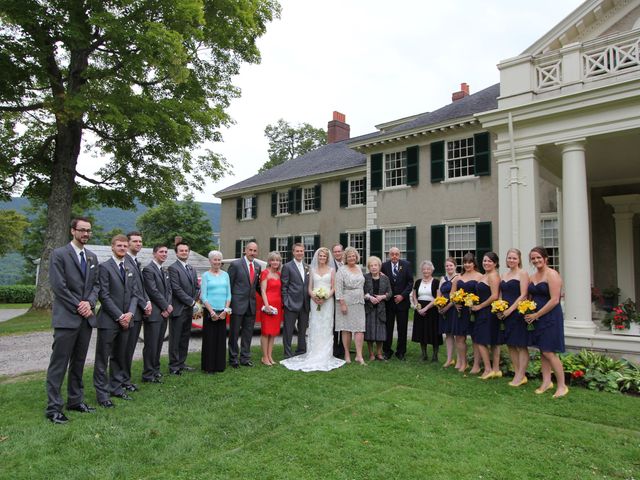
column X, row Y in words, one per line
column 524, row 381
column 540, row 390
column 560, row 395
column 487, row 376
column 497, row 374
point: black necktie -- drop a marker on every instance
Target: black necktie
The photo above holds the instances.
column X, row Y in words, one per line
column 83, row 264
column 164, row 281
column 122, row 270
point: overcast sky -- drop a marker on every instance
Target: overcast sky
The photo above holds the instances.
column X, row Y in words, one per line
column 374, row 61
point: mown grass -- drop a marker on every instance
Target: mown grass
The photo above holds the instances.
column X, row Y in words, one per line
column 32, row 321
column 8, row 306
column 387, row 420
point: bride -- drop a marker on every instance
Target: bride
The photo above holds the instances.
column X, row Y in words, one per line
column 319, row 356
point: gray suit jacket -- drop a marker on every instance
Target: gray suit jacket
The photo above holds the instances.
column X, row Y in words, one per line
column 243, row 292
column 138, row 286
column 295, row 291
column 157, row 284
column 116, row 297
column 70, row 287
column 184, row 288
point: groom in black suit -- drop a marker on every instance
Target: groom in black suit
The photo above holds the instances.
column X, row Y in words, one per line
column 399, row 272
column 295, row 299
column 73, row 276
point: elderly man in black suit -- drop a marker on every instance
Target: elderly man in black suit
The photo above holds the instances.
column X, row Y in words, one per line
column 73, row 276
column 157, row 284
column 399, row 272
column 118, row 301
column 295, row 299
column 244, row 277
column 144, row 305
column 185, row 290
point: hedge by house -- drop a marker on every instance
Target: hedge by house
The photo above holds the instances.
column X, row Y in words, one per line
column 17, row 293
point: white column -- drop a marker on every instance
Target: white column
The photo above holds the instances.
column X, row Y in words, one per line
column 529, row 201
column 577, row 273
column 625, row 206
column 505, row 204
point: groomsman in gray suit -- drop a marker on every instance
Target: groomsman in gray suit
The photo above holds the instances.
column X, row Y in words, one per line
column 185, row 290
column 73, row 276
column 158, row 286
column 295, row 299
column 144, row 305
column 244, row 276
column 118, row 301
column 338, row 349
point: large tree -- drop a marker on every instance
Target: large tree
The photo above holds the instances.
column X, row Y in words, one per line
column 136, row 85
column 170, row 219
column 287, row 141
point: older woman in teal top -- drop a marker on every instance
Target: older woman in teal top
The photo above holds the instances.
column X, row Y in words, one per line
column 216, row 298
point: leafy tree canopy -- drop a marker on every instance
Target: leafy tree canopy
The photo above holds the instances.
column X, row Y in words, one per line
column 287, row 142
column 12, row 226
column 170, row 219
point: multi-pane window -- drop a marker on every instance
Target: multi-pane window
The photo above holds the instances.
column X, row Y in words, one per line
column 247, row 207
column 461, row 239
column 308, row 199
column 550, row 240
column 357, row 240
column 282, row 247
column 283, row 203
column 243, row 244
column 357, row 192
column 395, row 169
column 309, row 247
column 460, row 159
column 396, row 237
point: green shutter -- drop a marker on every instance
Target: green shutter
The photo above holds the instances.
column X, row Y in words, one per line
column 274, row 204
column 376, row 171
column 316, row 242
column 413, row 154
column 272, row 244
column 364, row 182
column 344, row 239
column 437, row 161
column 482, row 155
column 344, row 193
column 438, row 248
column 411, row 247
column 254, row 207
column 375, row 241
column 292, row 199
column 364, row 246
column 297, row 200
column 317, row 201
column 238, row 248
column 296, row 239
column 484, row 242
column 239, row 208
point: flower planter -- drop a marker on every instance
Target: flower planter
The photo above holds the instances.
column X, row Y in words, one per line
column 633, row 330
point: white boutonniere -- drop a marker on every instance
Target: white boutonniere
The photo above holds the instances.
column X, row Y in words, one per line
column 91, row 266
column 399, row 268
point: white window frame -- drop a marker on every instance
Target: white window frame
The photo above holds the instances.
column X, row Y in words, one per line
column 247, row 208
column 308, row 240
column 308, row 199
column 551, row 243
column 357, row 240
column 282, row 203
column 458, row 247
column 357, row 186
column 395, row 169
column 470, row 158
column 283, row 248
column 398, row 239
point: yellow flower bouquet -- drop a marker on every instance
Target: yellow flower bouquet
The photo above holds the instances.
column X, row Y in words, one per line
column 440, row 301
column 457, row 297
column 471, row 299
column 499, row 306
column 526, row 307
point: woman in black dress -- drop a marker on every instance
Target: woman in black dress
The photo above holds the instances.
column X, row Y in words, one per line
column 377, row 290
column 426, row 325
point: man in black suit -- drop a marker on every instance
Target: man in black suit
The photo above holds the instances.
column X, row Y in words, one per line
column 73, row 276
column 244, row 277
column 118, row 301
column 295, row 299
column 144, row 305
column 399, row 272
column 157, row 284
column 338, row 348
column 185, row 290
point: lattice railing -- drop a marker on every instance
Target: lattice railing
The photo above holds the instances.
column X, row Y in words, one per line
column 549, row 75
column 611, row 59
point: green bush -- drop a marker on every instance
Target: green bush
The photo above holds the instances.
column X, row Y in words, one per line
column 17, row 293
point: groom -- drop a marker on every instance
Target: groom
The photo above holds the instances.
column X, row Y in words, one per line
column 295, row 298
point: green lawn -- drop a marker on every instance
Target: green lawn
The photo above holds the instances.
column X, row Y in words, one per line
column 7, row 306
column 34, row 321
column 387, row 420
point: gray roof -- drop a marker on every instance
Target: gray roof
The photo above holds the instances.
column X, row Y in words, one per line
column 325, row 159
column 339, row 156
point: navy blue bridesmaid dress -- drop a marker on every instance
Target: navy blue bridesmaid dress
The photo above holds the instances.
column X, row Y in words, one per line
column 548, row 334
column 515, row 328
column 461, row 324
column 446, row 320
column 485, row 330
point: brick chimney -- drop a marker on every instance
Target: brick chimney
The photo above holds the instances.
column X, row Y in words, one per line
column 464, row 92
column 337, row 129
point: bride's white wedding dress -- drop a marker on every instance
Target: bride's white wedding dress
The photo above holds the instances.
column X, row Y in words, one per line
column 319, row 356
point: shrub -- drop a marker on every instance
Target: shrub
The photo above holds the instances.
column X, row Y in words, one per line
column 17, row 293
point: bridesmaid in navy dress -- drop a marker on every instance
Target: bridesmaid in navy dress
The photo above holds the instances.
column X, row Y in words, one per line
column 485, row 331
column 461, row 322
column 448, row 313
column 548, row 336
column 513, row 289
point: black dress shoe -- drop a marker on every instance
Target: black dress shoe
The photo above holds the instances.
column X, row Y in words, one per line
column 153, row 380
column 122, row 396
column 58, row 418
column 400, row 357
column 106, row 404
column 158, row 375
column 132, row 387
column 188, row 369
column 234, row 365
column 247, row 364
column 82, row 408
column 175, row 372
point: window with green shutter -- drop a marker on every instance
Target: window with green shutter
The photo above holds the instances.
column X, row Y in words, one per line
column 376, row 171
column 317, row 204
column 413, row 154
column 438, row 248
column 411, row 248
column 437, row 161
column 375, row 242
column 344, row 193
column 482, row 153
column 239, row 208
column 484, row 241
column 274, row 204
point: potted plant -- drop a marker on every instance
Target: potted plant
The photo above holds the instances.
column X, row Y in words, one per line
column 610, row 296
column 624, row 319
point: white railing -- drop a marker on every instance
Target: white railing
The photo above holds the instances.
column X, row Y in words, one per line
column 611, row 59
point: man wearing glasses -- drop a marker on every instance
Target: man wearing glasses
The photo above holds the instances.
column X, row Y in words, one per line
column 73, row 275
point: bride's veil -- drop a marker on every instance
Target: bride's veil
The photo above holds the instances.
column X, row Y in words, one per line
column 314, row 261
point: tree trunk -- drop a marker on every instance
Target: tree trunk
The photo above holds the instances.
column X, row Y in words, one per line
column 63, row 173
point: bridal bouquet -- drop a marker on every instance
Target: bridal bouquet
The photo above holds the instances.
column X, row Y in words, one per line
column 499, row 306
column 526, row 307
column 471, row 299
column 322, row 293
column 457, row 297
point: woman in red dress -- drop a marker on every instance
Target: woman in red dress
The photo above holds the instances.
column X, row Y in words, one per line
column 269, row 310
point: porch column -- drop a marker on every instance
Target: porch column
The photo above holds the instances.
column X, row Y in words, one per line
column 575, row 239
column 625, row 206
